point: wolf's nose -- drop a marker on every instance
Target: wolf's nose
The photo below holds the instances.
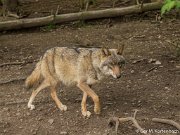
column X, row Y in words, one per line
column 118, row 76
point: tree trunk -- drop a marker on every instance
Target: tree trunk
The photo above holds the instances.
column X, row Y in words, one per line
column 112, row 12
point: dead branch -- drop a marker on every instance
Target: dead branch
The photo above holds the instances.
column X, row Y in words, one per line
column 12, row 103
column 132, row 119
column 13, row 80
column 166, row 121
column 151, row 69
column 21, row 102
column 11, row 63
column 17, row 63
column 57, row 11
column 114, row 121
column 86, row 15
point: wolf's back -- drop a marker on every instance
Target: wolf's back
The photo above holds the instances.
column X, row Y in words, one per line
column 34, row 77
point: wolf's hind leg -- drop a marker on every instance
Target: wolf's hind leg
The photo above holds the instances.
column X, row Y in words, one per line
column 56, row 99
column 42, row 86
column 83, row 106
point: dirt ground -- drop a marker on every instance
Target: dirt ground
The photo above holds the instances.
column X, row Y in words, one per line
column 150, row 82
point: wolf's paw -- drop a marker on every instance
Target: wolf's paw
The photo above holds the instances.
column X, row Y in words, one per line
column 63, row 108
column 86, row 114
column 31, row 107
column 97, row 110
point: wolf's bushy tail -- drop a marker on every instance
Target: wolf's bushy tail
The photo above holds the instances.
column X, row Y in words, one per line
column 34, row 77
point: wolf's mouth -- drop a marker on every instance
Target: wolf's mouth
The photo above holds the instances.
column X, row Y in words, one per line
column 116, row 76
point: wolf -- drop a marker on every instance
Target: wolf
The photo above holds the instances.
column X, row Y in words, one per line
column 82, row 67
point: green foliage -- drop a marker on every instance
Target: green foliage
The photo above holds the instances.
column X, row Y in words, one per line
column 170, row 4
column 48, row 27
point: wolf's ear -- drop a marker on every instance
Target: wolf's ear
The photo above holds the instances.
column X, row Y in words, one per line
column 120, row 49
column 105, row 51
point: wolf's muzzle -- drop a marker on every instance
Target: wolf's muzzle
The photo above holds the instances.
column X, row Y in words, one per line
column 118, row 76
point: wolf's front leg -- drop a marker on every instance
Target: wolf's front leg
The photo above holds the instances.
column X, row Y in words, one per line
column 85, row 88
column 83, row 106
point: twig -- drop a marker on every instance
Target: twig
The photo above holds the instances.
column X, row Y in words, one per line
column 87, row 6
column 13, row 15
column 141, row 6
column 22, row 102
column 132, row 119
column 57, row 10
column 11, row 63
column 151, row 69
column 13, row 80
column 166, row 121
column 123, row 2
column 114, row 121
column 114, row 2
column 16, row 63
column 137, row 2
column 12, row 103
column 139, row 36
column 137, row 61
column 175, row 45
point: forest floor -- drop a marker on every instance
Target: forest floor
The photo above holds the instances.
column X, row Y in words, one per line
column 150, row 81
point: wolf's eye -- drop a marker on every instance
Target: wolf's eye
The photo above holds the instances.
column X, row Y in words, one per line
column 121, row 63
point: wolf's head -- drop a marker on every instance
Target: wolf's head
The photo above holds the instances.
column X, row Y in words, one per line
column 112, row 61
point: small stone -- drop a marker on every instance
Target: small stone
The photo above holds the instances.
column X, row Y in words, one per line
column 39, row 119
column 125, row 103
column 34, row 133
column 28, row 114
column 132, row 71
column 167, row 88
column 157, row 62
column 63, row 133
column 152, row 60
column 51, row 121
column 105, row 108
column 6, row 109
column 39, row 109
column 18, row 114
column 5, row 131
